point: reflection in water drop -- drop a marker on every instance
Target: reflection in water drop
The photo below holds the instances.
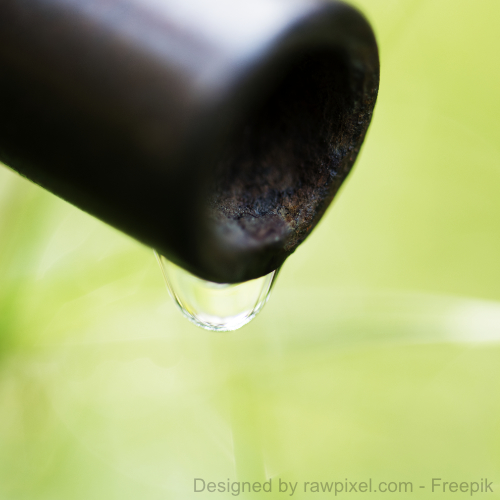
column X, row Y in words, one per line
column 215, row 306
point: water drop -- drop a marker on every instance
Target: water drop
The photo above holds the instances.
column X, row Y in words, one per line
column 215, row 306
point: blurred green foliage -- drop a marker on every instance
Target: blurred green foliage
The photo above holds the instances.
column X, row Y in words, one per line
column 378, row 355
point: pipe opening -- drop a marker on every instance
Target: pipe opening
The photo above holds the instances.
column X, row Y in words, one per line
column 284, row 164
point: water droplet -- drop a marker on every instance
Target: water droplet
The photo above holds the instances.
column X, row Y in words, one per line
column 215, row 306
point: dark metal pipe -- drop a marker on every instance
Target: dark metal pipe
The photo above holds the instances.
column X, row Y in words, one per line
column 216, row 132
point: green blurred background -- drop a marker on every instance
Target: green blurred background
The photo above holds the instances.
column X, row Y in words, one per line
column 377, row 357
